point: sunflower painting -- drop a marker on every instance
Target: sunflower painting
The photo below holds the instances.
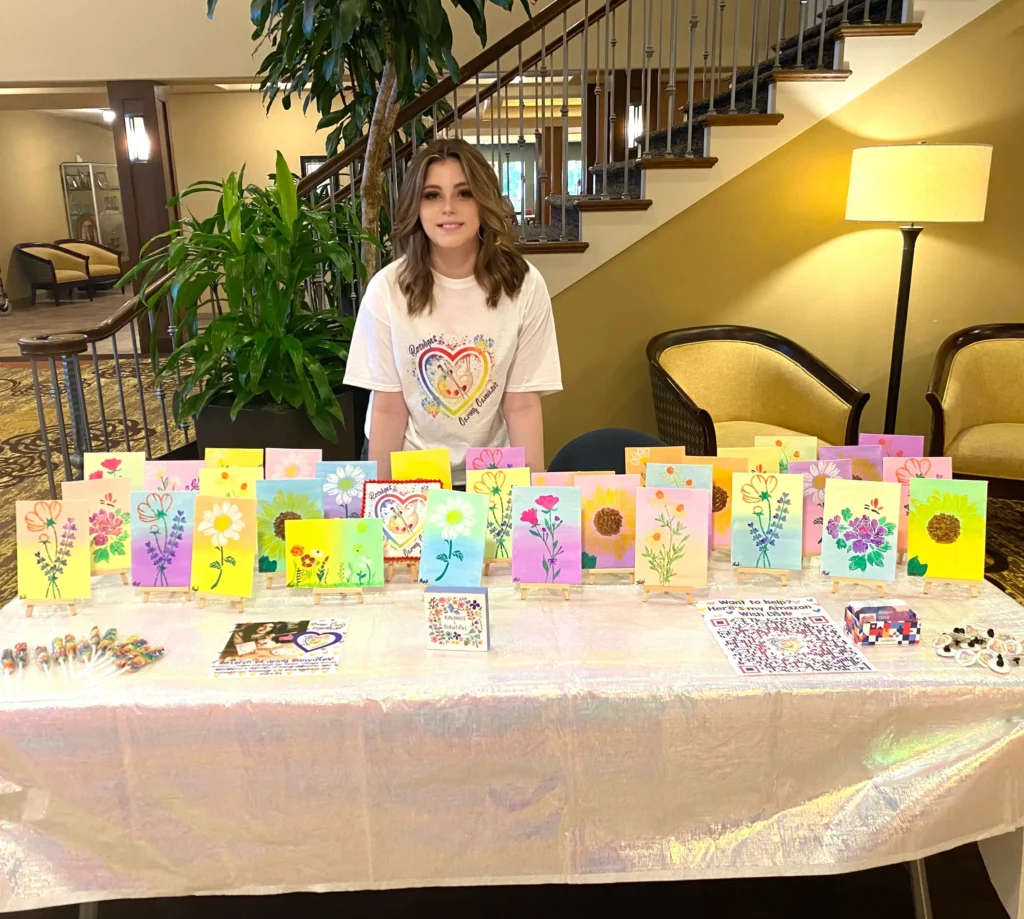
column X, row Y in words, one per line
column 946, row 532
column 224, row 546
column 904, row 470
column 609, row 520
column 453, row 538
column 277, row 502
column 497, row 485
column 722, row 470
column 766, row 521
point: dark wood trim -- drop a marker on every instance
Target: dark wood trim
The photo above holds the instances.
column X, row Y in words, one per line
column 709, row 447
column 887, row 29
column 937, row 441
column 738, row 120
column 676, row 162
column 612, row 204
column 554, row 247
column 807, row 76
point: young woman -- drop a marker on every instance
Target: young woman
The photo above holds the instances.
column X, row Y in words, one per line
column 455, row 338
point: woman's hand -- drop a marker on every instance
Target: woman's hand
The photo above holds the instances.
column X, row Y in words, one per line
column 525, row 422
column 388, row 422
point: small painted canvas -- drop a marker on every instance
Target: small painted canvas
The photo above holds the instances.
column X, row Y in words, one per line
column 794, row 449
column 288, row 463
column 478, row 458
column 362, row 553
column 859, row 539
column 637, row 458
column 422, row 465
column 904, row 470
column 228, row 457
column 230, row 481
column 547, row 545
column 609, row 520
column 172, row 475
column 402, row 508
column 723, row 468
column 946, row 535
column 114, row 465
column 162, row 531
column 313, row 550
column 865, row 462
column 894, row 445
column 497, row 485
column 563, row 479
column 816, row 475
column 767, row 520
column 454, row 538
column 53, row 551
column 759, row 459
column 672, row 537
column 224, row 545
column 343, row 486
column 277, row 502
column 685, row 475
column 457, row 620
column 109, row 502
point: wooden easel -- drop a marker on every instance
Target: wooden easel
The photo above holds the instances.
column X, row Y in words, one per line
column 319, row 592
column 389, row 569
column 166, row 591
column 877, row 586
column 495, row 561
column 32, row 604
column 593, row 572
column 268, row 578
column 668, row 589
column 975, row 589
column 781, row 573
column 237, row 603
column 124, row 572
column 524, row 588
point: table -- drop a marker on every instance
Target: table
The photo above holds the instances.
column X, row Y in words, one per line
column 600, row 740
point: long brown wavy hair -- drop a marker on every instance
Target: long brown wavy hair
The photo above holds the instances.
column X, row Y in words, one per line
column 499, row 268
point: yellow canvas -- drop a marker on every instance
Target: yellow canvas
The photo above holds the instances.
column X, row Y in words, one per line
column 764, row 460
column 410, row 465
column 553, row 479
column 109, row 529
column 722, row 469
column 222, row 457
column 53, row 550
column 313, row 550
column 224, row 546
column 115, row 465
column 794, row 449
column 497, row 485
column 637, row 459
column 946, row 531
column 228, row 482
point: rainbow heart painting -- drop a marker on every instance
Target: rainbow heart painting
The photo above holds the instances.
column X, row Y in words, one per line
column 343, row 486
column 453, row 538
column 454, row 378
column 402, row 509
column 162, row 525
column 547, row 543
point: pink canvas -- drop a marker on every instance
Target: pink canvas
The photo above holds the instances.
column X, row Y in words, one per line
column 897, row 445
column 288, row 463
column 547, row 545
column 816, row 475
column 866, row 461
column 904, row 469
column 495, row 457
column 672, row 537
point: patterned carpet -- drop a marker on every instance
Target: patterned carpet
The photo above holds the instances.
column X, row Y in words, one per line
column 23, row 469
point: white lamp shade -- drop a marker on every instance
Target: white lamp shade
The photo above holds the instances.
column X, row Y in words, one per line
column 919, row 183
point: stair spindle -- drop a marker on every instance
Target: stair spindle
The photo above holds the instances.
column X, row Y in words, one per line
column 44, row 430
column 607, row 97
column 821, row 40
column 671, row 91
column 713, row 80
column 565, row 123
column 694, row 22
column 629, row 93
column 753, row 54
column 584, row 103
column 735, row 52
column 522, row 142
column 612, row 116
column 800, row 36
column 778, row 40
column 649, row 55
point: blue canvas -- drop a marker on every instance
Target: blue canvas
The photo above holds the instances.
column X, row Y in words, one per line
column 278, row 501
column 767, row 521
column 454, row 537
column 343, row 486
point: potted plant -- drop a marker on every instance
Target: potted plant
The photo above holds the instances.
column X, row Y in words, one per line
column 267, row 368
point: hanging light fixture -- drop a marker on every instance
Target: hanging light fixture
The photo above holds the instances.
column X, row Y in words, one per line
column 138, row 138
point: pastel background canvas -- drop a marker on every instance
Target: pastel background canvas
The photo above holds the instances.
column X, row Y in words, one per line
column 794, row 449
column 223, row 457
column 859, row 539
column 816, row 475
column 672, row 537
column 313, row 549
column 109, row 521
column 278, row 502
column 224, row 545
column 114, row 465
column 547, row 542
column 609, row 520
column 453, row 538
column 904, row 470
column 865, row 462
column 479, row 458
column 946, row 533
column 722, row 470
column 497, row 485
column 362, row 553
column 402, row 508
column 422, row 464
column 637, row 458
column 686, row 475
column 291, row 464
column 342, row 485
column 162, row 523
column 457, row 620
column 767, row 521
column 53, row 550
column 759, row 459
column 894, row 445
column 230, row 482
column 173, row 475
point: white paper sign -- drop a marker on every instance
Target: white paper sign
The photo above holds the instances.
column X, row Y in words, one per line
column 762, row 606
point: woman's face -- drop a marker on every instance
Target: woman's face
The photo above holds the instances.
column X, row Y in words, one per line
column 263, row 630
column 448, row 211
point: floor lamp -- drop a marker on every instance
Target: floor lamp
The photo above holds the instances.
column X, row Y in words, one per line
column 912, row 184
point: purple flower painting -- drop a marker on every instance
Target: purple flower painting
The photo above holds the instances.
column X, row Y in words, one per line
column 859, row 533
column 161, row 528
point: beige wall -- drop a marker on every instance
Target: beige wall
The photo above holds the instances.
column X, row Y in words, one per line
column 772, row 249
column 31, row 200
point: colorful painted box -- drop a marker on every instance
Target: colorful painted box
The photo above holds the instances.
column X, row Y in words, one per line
column 457, row 620
column 890, row 623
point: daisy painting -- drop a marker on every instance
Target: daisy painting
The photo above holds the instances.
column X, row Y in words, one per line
column 817, row 475
column 224, row 545
column 946, row 535
column 342, row 485
column 453, row 538
column 609, row 520
column 905, row 470
column 292, row 464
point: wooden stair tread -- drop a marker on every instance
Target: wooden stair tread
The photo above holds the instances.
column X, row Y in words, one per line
column 552, row 246
column 859, row 30
column 808, row 75
column 742, row 118
column 676, row 162
column 611, row 204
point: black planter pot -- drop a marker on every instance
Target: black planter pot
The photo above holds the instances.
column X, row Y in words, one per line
column 284, row 426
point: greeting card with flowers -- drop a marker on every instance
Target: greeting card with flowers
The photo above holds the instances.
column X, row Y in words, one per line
column 946, row 533
column 865, row 461
column 547, row 543
column 224, row 545
column 722, row 470
column 230, row 481
column 229, row 457
column 859, row 538
column 162, row 525
column 765, row 460
column 816, row 475
column 422, row 465
column 289, row 463
column 109, row 520
column 454, row 538
column 457, row 620
column 894, row 445
column 767, row 520
column 277, row 502
column 904, row 470
column 115, row 465
column 794, row 449
column 343, row 486
column 172, row 475
column 53, row 552
column 637, row 459
column 609, row 520
column 402, row 508
column 672, row 537
column 497, row 485
column 479, row 458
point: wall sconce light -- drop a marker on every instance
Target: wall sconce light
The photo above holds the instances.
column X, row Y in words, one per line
column 138, row 139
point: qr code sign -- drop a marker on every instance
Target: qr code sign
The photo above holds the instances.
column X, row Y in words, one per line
column 805, row 644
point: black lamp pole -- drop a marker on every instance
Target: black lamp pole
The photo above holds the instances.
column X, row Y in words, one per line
column 899, row 335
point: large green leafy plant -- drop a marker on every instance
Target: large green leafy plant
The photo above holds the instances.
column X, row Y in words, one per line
column 385, row 51
column 253, row 262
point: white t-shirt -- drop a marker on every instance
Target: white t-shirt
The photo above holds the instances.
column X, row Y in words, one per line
column 455, row 362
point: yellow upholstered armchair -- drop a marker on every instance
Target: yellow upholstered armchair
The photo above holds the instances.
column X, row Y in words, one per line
column 977, row 410
column 52, row 268
column 720, row 386
column 104, row 263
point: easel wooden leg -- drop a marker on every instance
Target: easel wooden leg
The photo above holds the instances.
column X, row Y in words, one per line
column 124, row 578
column 28, row 610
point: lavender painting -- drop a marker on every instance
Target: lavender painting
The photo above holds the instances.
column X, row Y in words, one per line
column 161, row 529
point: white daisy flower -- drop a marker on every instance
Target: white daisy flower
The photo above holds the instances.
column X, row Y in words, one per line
column 222, row 524
column 455, row 517
column 345, row 484
column 817, row 475
column 288, row 466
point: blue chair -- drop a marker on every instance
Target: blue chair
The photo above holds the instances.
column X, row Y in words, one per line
column 602, row 449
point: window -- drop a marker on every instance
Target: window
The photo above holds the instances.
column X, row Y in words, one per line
column 575, row 177
column 514, row 187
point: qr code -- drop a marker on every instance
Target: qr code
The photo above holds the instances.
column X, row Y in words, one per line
column 805, row 644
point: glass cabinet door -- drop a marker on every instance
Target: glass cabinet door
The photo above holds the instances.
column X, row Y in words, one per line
column 78, row 182
column 108, row 203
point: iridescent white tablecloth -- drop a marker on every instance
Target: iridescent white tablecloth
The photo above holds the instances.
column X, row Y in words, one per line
column 601, row 739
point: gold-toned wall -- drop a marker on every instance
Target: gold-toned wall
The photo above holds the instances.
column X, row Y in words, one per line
column 772, row 249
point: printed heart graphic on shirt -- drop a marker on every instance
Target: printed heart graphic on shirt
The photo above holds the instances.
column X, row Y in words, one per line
column 454, row 378
column 403, row 517
column 315, row 641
